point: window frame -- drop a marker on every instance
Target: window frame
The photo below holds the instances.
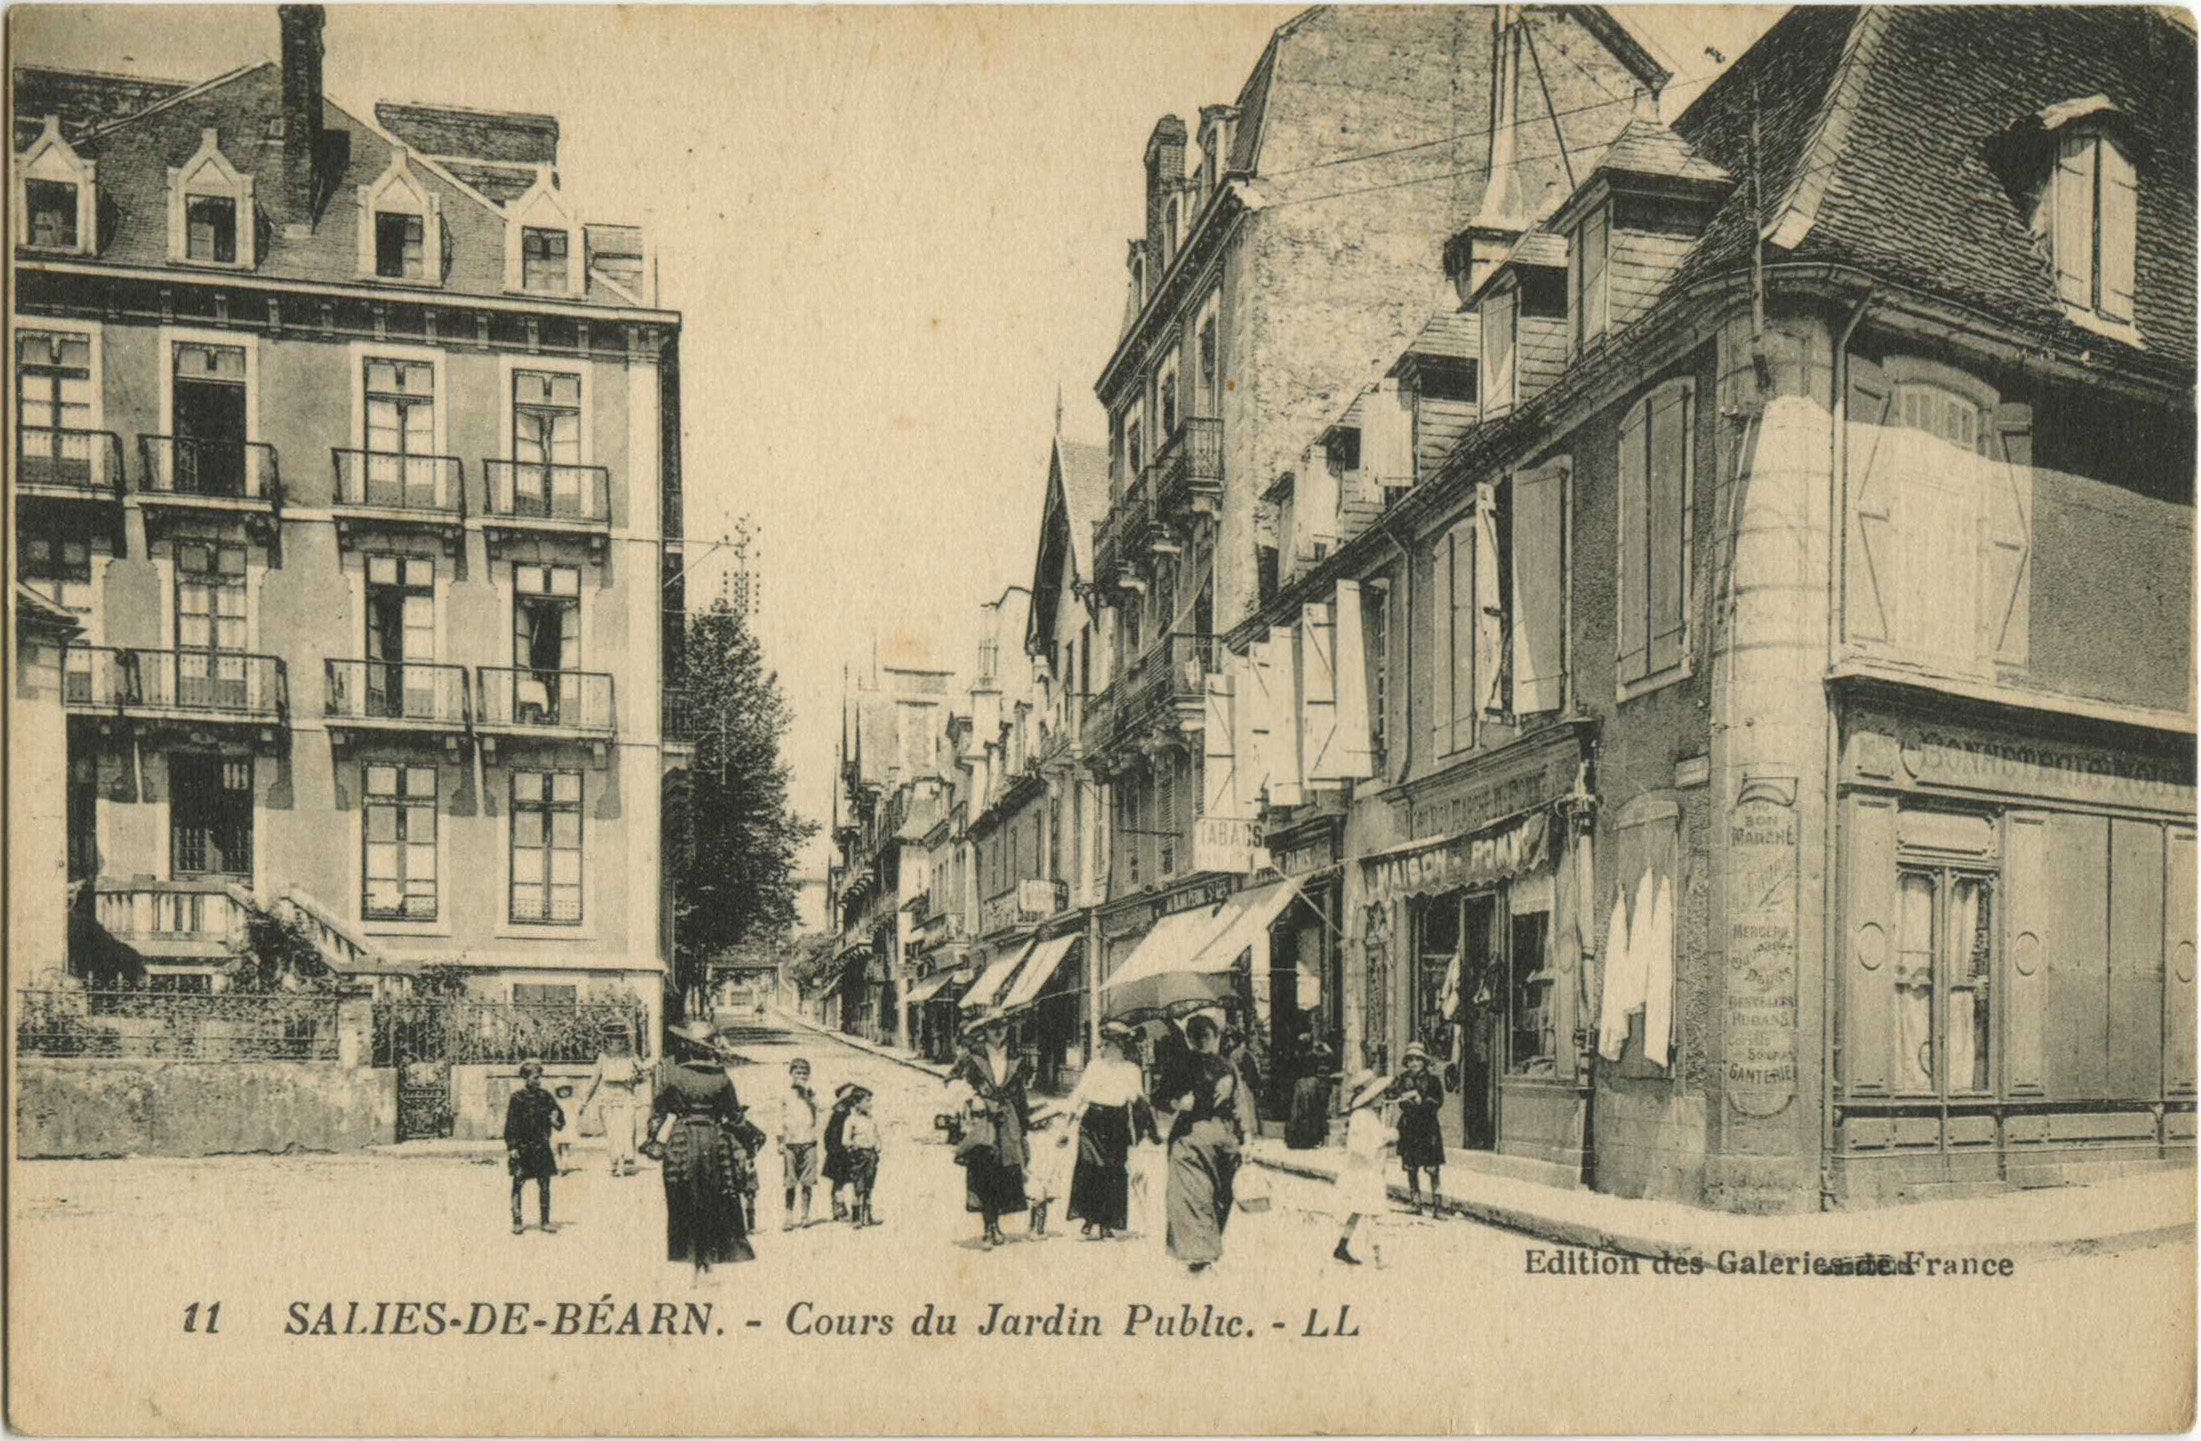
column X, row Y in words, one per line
column 404, row 801
column 1945, row 875
column 209, row 175
column 50, row 158
column 224, row 809
column 400, row 190
column 548, row 807
column 1581, row 334
column 2102, row 144
column 1500, row 342
column 1626, row 577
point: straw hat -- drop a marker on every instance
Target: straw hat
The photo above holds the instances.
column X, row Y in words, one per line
column 1365, row 1087
column 1416, row 1051
column 848, row 1089
column 695, row 1033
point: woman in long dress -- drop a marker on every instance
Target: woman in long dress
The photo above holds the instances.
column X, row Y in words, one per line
column 1111, row 1110
column 708, row 1157
column 1309, row 1125
column 1203, row 1147
column 992, row 1151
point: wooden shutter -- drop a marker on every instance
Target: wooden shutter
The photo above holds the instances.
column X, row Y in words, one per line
column 1634, row 590
column 2006, row 537
column 1491, row 624
column 1284, row 754
column 1869, row 924
column 1318, row 747
column 1669, row 565
column 2135, row 1056
column 2077, row 1040
column 1356, row 750
column 1497, row 318
column 2072, row 223
column 2178, row 933
column 1256, row 724
column 2028, row 925
column 1596, row 238
column 1440, row 671
column 1874, row 567
column 1466, row 622
column 1218, row 746
column 1539, row 588
column 2120, row 230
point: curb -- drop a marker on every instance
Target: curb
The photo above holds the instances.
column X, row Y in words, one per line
column 868, row 1048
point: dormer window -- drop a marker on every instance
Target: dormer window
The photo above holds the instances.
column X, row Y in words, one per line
column 544, row 263
column 1589, row 306
column 2093, row 202
column 210, row 229
column 210, row 210
column 400, row 225
column 52, row 206
column 1499, row 312
column 53, row 195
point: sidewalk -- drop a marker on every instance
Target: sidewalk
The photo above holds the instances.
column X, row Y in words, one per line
column 877, row 1048
column 2114, row 1215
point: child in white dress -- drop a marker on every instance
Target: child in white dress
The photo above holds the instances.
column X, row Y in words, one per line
column 1053, row 1143
column 1362, row 1189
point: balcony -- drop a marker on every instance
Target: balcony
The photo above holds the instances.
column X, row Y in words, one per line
column 1119, row 539
column 544, row 704
column 173, row 922
column 399, row 492
column 1188, row 469
column 68, row 465
column 204, row 685
column 184, row 475
column 1163, row 690
column 95, row 679
column 529, row 499
column 408, row 696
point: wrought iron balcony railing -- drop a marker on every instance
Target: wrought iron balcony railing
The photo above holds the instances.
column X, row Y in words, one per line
column 205, row 684
column 50, row 457
column 1172, row 671
column 573, row 700
column 1189, row 464
column 526, row 490
column 418, row 691
column 95, row 677
column 1119, row 534
column 433, row 485
column 195, row 468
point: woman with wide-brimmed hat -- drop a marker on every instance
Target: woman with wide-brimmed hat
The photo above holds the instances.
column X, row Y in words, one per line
column 1421, row 1141
column 996, row 1113
column 1202, row 1096
column 1110, row 1110
column 709, row 1155
column 1361, row 1192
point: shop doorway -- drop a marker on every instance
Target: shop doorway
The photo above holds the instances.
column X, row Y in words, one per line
column 1458, row 1010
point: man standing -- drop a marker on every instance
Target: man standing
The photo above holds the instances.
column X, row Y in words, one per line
column 798, row 1138
column 529, row 1118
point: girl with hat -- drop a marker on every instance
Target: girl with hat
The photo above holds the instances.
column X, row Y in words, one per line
column 1360, row 1187
column 1110, row 1110
column 529, row 1118
column 708, row 1156
column 1421, row 1142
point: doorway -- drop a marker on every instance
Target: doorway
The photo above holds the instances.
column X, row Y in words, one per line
column 210, row 815
column 1458, row 1007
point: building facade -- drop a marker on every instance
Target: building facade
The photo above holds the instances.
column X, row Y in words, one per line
column 354, row 449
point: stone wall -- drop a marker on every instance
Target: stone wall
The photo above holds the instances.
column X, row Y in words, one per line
column 81, row 1107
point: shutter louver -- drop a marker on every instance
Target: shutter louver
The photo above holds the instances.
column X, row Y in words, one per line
column 1285, row 787
column 1218, row 748
column 2006, row 538
column 1634, row 588
column 1257, row 725
column 2072, row 224
column 1465, row 624
column 1670, row 417
column 1318, row 744
column 1490, row 614
column 1497, row 324
column 1539, row 589
column 2120, row 231
column 1355, row 735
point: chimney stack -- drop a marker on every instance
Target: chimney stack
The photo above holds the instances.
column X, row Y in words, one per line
column 301, row 114
column 1165, row 174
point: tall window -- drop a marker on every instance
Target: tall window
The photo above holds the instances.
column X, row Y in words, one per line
column 401, row 432
column 210, row 406
column 1468, row 579
column 1588, row 301
column 209, row 815
column 400, row 251
column 1134, row 453
column 1656, row 454
column 1207, row 330
column 52, row 206
column 1944, row 959
column 1165, row 397
column 546, row 636
column 58, row 567
column 401, row 627
column 53, row 407
column 2094, row 225
column 399, row 864
column 544, row 262
column 210, row 228
column 211, row 624
column 1376, row 613
column 546, row 847
column 546, row 442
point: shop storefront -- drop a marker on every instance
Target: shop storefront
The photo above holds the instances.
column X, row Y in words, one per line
column 1299, row 998
column 1045, row 1006
column 1472, row 943
column 2014, row 993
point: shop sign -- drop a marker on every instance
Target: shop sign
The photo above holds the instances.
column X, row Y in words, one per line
column 1141, row 918
column 1221, row 843
column 1461, row 808
column 1958, row 758
column 1483, row 859
column 1759, row 1034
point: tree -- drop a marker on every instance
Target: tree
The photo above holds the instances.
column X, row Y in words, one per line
column 730, row 836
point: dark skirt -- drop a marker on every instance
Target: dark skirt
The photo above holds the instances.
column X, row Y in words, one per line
column 989, row 1186
column 1100, row 1185
column 1203, row 1166
column 706, row 1173
column 839, row 1170
column 534, row 1161
column 1309, row 1125
column 1421, row 1142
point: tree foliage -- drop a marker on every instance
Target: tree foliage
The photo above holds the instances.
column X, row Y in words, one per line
column 730, row 837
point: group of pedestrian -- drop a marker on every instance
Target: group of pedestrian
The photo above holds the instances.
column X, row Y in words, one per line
column 848, row 1141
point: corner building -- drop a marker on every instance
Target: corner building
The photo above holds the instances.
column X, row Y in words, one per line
column 354, row 449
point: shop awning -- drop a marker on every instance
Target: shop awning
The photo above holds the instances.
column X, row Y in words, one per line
column 1446, row 863
column 931, row 988
column 996, row 976
column 1187, row 959
column 1048, row 958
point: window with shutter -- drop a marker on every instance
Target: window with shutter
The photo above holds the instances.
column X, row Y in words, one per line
column 1589, row 305
column 1497, row 323
column 1539, row 544
column 2092, row 201
column 1657, row 451
column 1319, row 752
column 1459, row 622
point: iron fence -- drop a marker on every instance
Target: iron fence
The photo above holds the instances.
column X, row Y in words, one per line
column 461, row 1032
column 177, row 1025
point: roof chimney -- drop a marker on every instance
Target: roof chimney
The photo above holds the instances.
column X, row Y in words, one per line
column 1165, row 176
column 301, row 114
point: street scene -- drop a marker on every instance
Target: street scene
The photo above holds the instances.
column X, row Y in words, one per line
column 1390, row 676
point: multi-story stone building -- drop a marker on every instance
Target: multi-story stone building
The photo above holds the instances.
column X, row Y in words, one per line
column 1772, row 722
column 1301, row 243
column 353, row 446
